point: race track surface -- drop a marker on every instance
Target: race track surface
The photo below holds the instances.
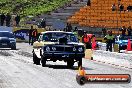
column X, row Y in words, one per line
column 18, row 71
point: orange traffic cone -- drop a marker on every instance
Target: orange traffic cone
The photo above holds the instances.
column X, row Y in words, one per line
column 81, row 71
column 94, row 43
column 129, row 45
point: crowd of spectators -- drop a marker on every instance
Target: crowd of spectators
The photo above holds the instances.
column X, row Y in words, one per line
column 124, row 31
column 120, row 7
column 6, row 19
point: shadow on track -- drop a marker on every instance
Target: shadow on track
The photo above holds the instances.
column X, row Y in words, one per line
column 8, row 49
column 65, row 67
column 61, row 67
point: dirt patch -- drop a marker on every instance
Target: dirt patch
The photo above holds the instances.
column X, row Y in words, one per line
column 5, row 53
column 23, row 53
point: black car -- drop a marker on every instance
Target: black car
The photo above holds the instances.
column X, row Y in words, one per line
column 7, row 40
column 58, row 45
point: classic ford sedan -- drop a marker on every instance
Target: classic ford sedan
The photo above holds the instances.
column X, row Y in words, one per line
column 58, row 45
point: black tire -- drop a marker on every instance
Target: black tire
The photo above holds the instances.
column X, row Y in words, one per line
column 13, row 48
column 119, row 49
column 81, row 80
column 43, row 62
column 70, row 63
column 36, row 60
column 79, row 62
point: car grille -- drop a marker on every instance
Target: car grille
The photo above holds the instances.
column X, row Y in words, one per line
column 66, row 49
column 4, row 41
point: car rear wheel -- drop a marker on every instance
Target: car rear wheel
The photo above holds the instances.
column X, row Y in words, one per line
column 79, row 62
column 70, row 63
column 36, row 60
column 43, row 62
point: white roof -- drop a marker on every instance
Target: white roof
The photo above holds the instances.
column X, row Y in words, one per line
column 5, row 31
column 55, row 31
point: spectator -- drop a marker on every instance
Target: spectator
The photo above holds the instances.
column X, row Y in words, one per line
column 109, row 41
column 43, row 23
column 129, row 8
column 88, row 3
column 30, row 35
column 2, row 19
column 119, row 2
column 113, row 7
column 64, row 29
column 34, row 35
column 8, row 19
column 129, row 31
column 17, row 19
column 76, row 29
column 121, row 7
column 69, row 27
column 123, row 29
column 104, row 32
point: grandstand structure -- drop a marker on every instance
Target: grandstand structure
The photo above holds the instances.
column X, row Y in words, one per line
column 100, row 14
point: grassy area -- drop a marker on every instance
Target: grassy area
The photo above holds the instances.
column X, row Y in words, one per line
column 30, row 7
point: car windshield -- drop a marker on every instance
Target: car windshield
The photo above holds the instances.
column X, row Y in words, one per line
column 56, row 36
column 6, row 34
column 125, row 37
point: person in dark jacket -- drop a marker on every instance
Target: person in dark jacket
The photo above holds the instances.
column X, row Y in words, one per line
column 104, row 31
column 69, row 27
column 43, row 23
column 123, row 29
column 121, row 7
column 8, row 19
column 2, row 19
column 129, row 31
column 109, row 41
column 129, row 8
column 30, row 35
column 89, row 3
column 17, row 19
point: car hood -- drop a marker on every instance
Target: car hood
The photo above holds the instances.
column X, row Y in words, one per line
column 56, row 43
column 6, row 38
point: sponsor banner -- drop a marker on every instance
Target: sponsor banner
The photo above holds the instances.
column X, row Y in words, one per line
column 103, row 78
column 83, row 78
column 22, row 34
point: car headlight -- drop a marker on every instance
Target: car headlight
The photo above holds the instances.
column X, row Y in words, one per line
column 80, row 49
column 74, row 49
column 47, row 49
column 54, row 48
column 12, row 41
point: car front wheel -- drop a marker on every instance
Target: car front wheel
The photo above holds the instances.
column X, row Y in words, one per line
column 13, row 47
column 43, row 62
column 70, row 63
column 36, row 60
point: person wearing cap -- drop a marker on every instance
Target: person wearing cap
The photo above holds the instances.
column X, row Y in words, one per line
column 109, row 41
